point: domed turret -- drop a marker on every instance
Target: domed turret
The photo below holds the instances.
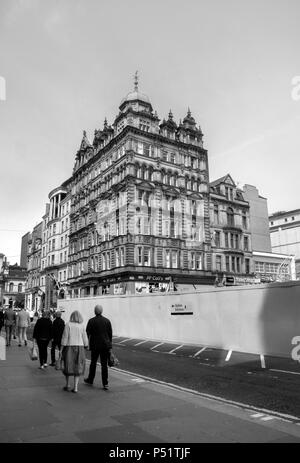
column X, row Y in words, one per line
column 136, row 95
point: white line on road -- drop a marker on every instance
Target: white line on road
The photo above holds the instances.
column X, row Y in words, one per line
column 176, row 348
column 228, row 356
column 268, row 418
column 124, row 340
column 199, row 351
column 284, row 371
column 139, row 343
column 257, row 415
column 262, row 361
column 233, row 403
column 160, row 344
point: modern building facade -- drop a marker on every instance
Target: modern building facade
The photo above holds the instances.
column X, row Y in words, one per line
column 140, row 205
column 285, row 234
column 258, row 219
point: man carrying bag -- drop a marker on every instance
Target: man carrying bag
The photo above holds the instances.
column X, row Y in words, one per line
column 99, row 332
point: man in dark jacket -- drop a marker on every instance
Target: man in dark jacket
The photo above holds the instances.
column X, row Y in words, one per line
column 99, row 332
column 42, row 333
column 9, row 323
column 1, row 319
column 58, row 327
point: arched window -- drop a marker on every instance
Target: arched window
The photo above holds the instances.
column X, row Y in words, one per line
column 230, row 216
column 11, row 287
column 20, row 287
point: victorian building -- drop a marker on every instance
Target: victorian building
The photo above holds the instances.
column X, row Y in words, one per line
column 55, row 244
column 140, row 204
column 12, row 283
column 230, row 231
column 34, row 250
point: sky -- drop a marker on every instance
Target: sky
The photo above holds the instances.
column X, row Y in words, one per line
column 67, row 65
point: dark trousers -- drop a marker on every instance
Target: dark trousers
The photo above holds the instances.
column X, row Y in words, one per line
column 104, row 369
column 8, row 330
column 55, row 344
column 43, row 354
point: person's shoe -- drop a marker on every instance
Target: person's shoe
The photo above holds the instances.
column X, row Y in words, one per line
column 52, row 364
column 15, row 337
column 75, row 390
column 20, row 345
column 25, row 343
column 45, row 364
column 105, row 387
column 41, row 367
column 87, row 381
column 66, row 388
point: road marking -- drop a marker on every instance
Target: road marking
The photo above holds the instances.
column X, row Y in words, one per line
column 268, row 418
column 257, row 415
column 244, row 406
column 173, row 350
column 160, row 344
column 138, row 380
column 199, row 351
column 228, row 356
column 262, row 361
column 284, row 371
column 124, row 340
column 139, row 343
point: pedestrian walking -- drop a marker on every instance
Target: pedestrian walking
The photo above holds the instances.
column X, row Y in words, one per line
column 22, row 322
column 1, row 319
column 14, row 328
column 58, row 329
column 9, row 323
column 99, row 332
column 42, row 333
column 74, row 341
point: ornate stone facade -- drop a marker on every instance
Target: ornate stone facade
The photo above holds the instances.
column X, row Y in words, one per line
column 140, row 204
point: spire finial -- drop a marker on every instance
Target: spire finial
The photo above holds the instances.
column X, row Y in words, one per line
column 136, row 81
column 189, row 112
column 105, row 123
column 84, row 133
column 170, row 115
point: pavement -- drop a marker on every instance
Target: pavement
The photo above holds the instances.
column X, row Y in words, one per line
column 34, row 408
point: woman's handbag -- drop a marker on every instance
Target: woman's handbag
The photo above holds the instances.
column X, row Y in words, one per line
column 59, row 363
column 112, row 360
column 33, row 352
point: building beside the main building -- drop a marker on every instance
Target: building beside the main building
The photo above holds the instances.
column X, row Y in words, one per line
column 230, row 232
column 285, row 234
column 34, row 250
column 269, row 264
column 13, row 294
column 140, row 205
column 55, row 246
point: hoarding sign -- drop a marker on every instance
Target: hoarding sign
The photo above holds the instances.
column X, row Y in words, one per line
column 180, row 309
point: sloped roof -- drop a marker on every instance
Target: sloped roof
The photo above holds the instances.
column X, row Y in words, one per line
column 223, row 180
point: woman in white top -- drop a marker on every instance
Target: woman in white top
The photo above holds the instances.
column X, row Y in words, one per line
column 74, row 341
